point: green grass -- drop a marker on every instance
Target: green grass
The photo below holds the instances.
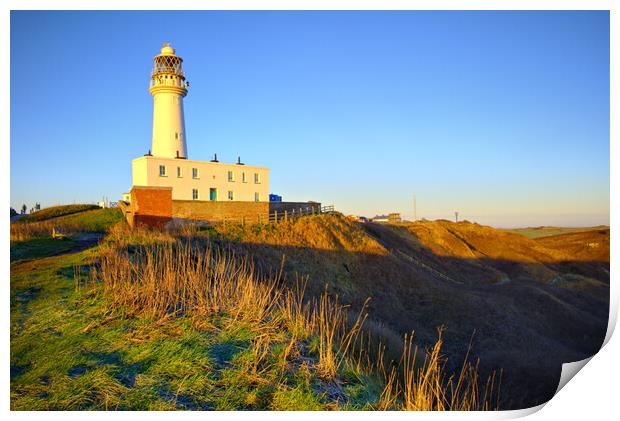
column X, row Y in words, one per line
column 36, row 248
column 71, row 350
column 539, row 232
column 98, row 220
column 299, row 398
column 66, row 353
column 56, row 211
column 90, row 221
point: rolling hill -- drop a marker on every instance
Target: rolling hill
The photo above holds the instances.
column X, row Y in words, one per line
column 530, row 304
column 521, row 306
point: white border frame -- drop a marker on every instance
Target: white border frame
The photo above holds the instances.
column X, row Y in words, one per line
column 591, row 395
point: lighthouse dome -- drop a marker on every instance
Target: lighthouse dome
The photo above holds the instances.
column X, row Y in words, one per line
column 167, row 50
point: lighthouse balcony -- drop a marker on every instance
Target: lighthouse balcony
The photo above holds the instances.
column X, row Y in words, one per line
column 168, row 81
column 168, row 73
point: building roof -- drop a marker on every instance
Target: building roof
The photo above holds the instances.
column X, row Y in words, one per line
column 181, row 160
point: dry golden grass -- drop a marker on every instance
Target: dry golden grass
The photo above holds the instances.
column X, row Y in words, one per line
column 165, row 277
column 26, row 231
column 320, row 232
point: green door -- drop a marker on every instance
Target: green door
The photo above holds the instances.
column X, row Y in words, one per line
column 213, row 194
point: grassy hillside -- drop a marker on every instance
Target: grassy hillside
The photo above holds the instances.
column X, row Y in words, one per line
column 277, row 316
column 591, row 245
column 56, row 211
column 86, row 221
column 106, row 359
column 530, row 308
column 149, row 320
column 538, row 232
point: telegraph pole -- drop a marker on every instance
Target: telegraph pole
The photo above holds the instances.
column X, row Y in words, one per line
column 456, row 216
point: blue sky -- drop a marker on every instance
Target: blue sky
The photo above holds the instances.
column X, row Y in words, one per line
column 503, row 116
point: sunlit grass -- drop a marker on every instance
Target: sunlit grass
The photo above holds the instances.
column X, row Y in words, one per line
column 97, row 220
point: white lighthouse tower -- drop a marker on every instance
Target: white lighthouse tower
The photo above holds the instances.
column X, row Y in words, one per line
column 167, row 171
column 168, row 87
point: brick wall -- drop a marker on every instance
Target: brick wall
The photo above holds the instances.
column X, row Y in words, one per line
column 220, row 211
column 150, row 206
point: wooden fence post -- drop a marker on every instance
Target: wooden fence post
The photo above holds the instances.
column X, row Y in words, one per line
column 285, row 216
column 275, row 216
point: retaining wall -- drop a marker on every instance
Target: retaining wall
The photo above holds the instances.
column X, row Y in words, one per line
column 153, row 206
column 220, row 211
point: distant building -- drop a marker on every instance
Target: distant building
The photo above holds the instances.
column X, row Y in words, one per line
column 380, row 218
column 394, row 218
column 357, row 218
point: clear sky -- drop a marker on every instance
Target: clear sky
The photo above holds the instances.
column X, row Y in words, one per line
column 503, row 116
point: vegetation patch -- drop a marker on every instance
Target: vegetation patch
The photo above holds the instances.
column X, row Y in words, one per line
column 56, row 211
column 36, row 248
column 87, row 221
column 539, row 232
column 146, row 320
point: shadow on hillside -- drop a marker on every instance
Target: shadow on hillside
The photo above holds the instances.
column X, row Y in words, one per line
column 523, row 318
column 37, row 248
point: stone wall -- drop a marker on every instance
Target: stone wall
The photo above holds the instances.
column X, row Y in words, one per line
column 236, row 211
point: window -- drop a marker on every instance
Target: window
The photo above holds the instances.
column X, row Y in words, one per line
column 176, row 136
column 243, row 178
column 231, row 195
column 256, row 178
column 195, row 194
column 179, row 173
column 162, row 170
column 194, row 172
column 256, row 197
column 231, row 176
